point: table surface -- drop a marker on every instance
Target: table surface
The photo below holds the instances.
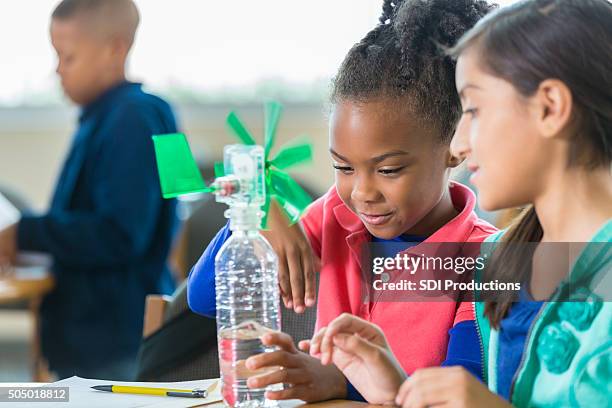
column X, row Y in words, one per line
column 283, row 404
column 324, row 404
column 15, row 289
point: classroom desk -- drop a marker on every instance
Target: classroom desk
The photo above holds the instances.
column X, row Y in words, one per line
column 324, row 404
column 282, row 404
column 31, row 289
column 302, row 404
column 13, row 290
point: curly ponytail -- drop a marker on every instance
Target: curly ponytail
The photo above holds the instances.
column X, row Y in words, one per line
column 403, row 58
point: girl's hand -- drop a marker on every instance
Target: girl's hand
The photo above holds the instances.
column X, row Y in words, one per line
column 446, row 387
column 360, row 350
column 304, row 376
column 296, row 262
column 322, row 342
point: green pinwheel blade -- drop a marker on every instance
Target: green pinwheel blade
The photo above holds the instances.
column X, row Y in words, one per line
column 293, row 213
column 265, row 208
column 292, row 155
column 178, row 171
column 239, row 129
column 272, row 115
column 219, row 169
column 290, row 195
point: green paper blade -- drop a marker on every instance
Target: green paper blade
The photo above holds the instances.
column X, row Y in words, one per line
column 239, row 129
column 289, row 193
column 219, row 169
column 265, row 208
column 178, row 171
column 272, row 114
column 292, row 155
column 292, row 212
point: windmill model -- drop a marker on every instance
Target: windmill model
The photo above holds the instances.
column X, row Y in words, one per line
column 246, row 267
column 247, row 177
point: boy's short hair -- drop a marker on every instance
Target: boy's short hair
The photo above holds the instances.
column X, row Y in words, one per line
column 109, row 17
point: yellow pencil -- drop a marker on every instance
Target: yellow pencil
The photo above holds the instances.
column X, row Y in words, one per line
column 165, row 392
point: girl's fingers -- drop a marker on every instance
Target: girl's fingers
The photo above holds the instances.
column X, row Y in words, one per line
column 304, row 346
column 315, row 342
column 310, row 282
column 350, row 324
column 428, row 384
column 340, row 324
column 280, row 339
column 285, row 375
column 277, row 236
column 296, row 278
column 402, row 393
column 409, row 384
column 432, row 394
column 284, row 281
column 357, row 346
column 273, row 359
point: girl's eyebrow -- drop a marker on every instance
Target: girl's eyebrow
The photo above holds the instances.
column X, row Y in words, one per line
column 465, row 87
column 392, row 153
column 376, row 159
column 332, row 151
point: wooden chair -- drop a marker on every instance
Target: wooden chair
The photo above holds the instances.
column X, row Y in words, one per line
column 180, row 345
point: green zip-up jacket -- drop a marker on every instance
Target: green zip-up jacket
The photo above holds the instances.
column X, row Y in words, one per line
column 567, row 361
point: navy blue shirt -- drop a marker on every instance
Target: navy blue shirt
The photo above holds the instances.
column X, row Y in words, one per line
column 109, row 232
column 512, row 335
column 464, row 343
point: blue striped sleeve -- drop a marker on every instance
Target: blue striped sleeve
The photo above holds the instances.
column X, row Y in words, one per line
column 201, row 285
column 352, row 394
column 464, row 348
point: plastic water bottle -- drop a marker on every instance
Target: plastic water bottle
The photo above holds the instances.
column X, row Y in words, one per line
column 246, row 279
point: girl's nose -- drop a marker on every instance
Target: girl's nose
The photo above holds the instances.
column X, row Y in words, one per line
column 364, row 189
column 460, row 145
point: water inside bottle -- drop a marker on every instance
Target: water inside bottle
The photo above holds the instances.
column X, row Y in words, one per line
column 236, row 344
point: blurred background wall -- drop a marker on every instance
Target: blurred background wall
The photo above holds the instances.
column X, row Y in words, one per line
column 34, row 140
column 206, row 58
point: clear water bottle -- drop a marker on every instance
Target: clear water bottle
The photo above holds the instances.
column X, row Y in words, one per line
column 246, row 279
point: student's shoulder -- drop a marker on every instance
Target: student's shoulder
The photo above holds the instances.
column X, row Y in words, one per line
column 325, row 204
column 139, row 101
column 138, row 114
column 329, row 216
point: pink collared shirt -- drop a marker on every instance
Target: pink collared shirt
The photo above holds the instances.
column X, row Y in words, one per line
column 417, row 332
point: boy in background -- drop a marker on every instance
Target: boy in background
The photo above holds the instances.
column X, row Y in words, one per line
column 107, row 228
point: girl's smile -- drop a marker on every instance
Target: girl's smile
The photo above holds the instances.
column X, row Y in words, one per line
column 375, row 219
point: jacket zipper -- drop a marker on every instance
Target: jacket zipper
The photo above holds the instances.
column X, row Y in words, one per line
column 483, row 369
column 524, row 356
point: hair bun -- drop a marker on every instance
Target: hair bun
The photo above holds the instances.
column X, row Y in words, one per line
column 389, row 9
column 422, row 26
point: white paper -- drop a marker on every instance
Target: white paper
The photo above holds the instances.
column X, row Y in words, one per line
column 82, row 395
column 32, row 265
column 9, row 214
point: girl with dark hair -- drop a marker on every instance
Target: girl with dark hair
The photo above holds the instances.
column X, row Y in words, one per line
column 535, row 81
column 394, row 111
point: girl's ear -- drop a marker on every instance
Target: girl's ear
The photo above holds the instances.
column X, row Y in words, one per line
column 553, row 107
column 453, row 161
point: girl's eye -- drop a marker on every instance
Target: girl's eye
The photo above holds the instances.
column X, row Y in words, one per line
column 343, row 169
column 470, row 111
column 391, row 171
